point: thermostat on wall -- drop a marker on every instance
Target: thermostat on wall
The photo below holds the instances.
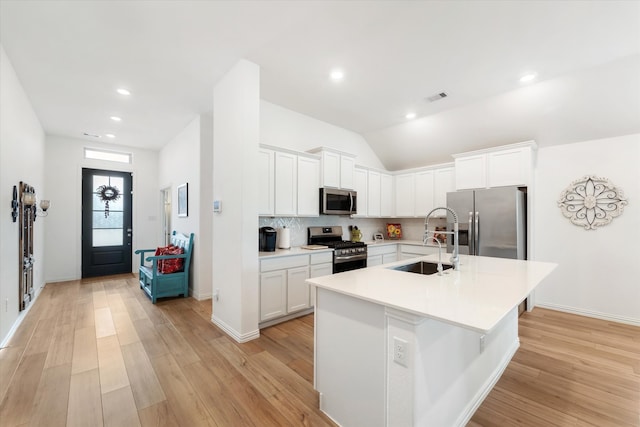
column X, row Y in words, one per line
column 217, row 206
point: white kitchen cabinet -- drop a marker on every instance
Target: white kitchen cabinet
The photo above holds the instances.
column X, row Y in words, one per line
column 286, row 188
column 321, row 265
column 443, row 182
column 297, row 289
column 386, row 195
column 382, row 254
column 273, row 294
column 336, row 168
column 360, row 177
column 373, row 194
column 330, row 169
column 471, row 172
column 266, row 182
column 405, row 193
column 495, row 167
column 347, row 172
column 423, row 192
column 413, row 251
column 282, row 286
column 509, row 167
column 308, row 186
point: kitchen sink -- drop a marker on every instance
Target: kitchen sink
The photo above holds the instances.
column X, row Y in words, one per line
column 422, row 267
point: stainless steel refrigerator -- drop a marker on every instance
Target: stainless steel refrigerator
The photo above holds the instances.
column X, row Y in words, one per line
column 492, row 222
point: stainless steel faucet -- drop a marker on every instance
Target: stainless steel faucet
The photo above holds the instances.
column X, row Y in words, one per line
column 455, row 257
column 426, row 239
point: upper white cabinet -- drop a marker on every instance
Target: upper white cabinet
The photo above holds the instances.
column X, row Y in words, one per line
column 289, row 182
column 424, row 192
column 266, row 183
column 361, row 186
column 419, row 192
column 336, row 168
column 308, row 186
column 347, row 170
column 386, row 195
column 495, row 167
column 286, row 184
column 444, row 181
column 373, row 193
column 405, row 195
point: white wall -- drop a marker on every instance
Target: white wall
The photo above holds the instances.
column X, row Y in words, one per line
column 285, row 128
column 599, row 270
column 21, row 159
column 63, row 171
column 236, row 114
column 182, row 161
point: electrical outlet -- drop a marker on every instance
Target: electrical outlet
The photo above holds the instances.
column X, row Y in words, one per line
column 400, row 351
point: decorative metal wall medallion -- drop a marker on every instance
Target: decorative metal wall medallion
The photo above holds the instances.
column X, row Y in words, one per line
column 591, row 202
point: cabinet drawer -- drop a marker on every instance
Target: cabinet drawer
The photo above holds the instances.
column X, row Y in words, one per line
column 373, row 250
column 418, row 250
column 321, row 258
column 284, row 263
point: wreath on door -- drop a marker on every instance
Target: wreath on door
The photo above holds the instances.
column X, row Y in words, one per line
column 108, row 193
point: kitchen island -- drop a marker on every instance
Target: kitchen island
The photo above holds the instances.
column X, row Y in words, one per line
column 395, row 348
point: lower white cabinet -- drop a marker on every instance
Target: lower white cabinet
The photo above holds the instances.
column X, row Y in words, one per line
column 413, row 251
column 297, row 289
column 273, row 294
column 283, row 287
column 384, row 254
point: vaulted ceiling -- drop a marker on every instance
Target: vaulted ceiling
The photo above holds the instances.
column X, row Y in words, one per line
column 70, row 56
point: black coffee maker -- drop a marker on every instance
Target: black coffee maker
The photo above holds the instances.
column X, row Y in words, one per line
column 267, row 239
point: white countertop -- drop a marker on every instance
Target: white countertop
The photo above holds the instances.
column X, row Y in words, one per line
column 476, row 297
column 297, row 250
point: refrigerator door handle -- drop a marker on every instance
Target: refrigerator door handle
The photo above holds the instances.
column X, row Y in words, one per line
column 476, row 243
column 470, row 238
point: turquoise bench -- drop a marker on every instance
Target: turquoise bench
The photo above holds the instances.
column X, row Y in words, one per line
column 159, row 285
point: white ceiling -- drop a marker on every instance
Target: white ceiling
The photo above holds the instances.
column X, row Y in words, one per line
column 71, row 56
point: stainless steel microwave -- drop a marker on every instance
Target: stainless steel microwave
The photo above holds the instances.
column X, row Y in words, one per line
column 338, row 202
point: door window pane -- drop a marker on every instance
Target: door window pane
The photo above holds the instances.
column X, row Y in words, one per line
column 107, row 231
column 107, row 237
column 114, row 220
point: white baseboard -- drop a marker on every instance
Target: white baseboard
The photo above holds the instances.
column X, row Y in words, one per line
column 233, row 333
column 199, row 296
column 20, row 318
column 477, row 400
column 589, row 313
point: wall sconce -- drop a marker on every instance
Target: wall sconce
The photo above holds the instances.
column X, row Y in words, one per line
column 44, row 205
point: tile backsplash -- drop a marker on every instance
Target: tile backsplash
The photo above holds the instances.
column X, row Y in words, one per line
column 412, row 228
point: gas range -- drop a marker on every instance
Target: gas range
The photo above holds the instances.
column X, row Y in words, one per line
column 347, row 255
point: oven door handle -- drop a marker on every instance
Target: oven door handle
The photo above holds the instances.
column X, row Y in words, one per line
column 348, row 257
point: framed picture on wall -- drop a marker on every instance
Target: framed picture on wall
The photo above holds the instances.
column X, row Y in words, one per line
column 183, row 200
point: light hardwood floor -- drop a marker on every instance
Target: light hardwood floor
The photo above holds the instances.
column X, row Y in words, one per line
column 97, row 352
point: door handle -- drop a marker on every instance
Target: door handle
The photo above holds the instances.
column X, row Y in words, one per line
column 477, row 232
column 470, row 238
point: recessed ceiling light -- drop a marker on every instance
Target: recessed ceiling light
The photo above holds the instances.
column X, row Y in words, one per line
column 115, row 118
column 337, row 75
column 122, row 91
column 109, row 135
column 411, row 116
column 528, row 77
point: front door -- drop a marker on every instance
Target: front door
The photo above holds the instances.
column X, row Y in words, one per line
column 106, row 222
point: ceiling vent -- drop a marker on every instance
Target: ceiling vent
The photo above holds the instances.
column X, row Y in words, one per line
column 91, row 135
column 436, row 97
